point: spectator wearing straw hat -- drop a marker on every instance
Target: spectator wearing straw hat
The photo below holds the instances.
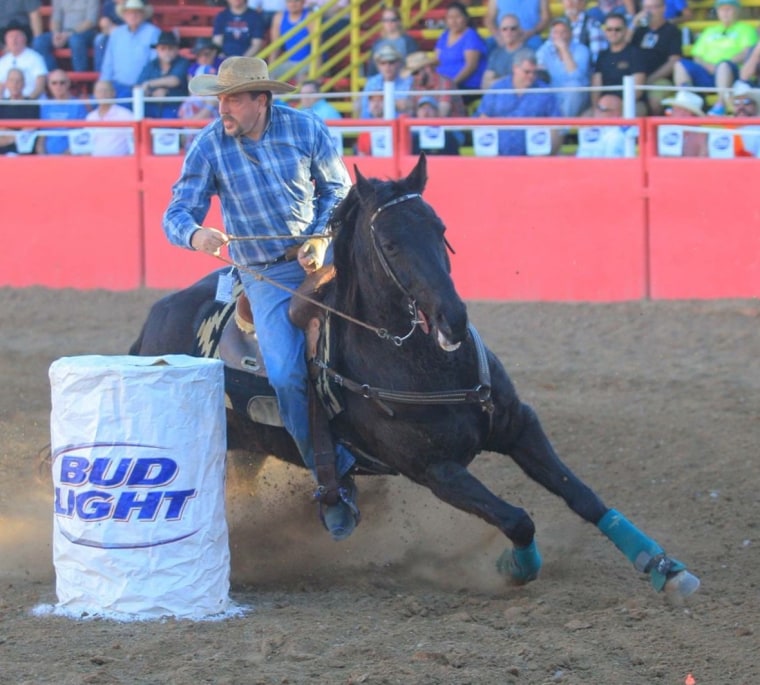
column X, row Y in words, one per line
column 164, row 76
column 686, row 105
column 717, row 54
column 278, row 175
column 389, row 62
column 421, row 67
column 745, row 102
column 129, row 47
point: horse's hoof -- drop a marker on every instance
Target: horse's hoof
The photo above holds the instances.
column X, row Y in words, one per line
column 681, row 585
column 521, row 564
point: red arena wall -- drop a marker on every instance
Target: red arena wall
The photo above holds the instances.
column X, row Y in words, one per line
column 556, row 228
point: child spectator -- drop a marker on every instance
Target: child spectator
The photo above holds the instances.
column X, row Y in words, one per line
column 207, row 59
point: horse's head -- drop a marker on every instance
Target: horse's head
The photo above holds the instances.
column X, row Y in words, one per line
column 390, row 252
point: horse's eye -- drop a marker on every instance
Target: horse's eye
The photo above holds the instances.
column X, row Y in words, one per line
column 390, row 247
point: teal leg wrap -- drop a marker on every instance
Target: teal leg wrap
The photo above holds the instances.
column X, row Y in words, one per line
column 643, row 552
column 525, row 563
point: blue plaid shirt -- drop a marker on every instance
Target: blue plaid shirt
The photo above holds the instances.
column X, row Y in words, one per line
column 286, row 183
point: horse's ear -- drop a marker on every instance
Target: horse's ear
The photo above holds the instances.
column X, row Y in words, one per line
column 417, row 179
column 364, row 188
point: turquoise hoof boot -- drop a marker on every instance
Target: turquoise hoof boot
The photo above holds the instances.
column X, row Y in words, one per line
column 521, row 564
column 340, row 519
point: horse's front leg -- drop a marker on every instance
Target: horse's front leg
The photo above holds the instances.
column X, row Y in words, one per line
column 533, row 452
column 455, row 485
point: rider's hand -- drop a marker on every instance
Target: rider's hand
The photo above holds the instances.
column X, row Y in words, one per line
column 208, row 240
column 311, row 255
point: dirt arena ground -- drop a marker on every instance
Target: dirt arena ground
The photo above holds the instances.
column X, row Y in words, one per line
column 656, row 405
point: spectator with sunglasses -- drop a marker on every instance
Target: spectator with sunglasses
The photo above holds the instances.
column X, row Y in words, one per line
column 619, row 60
column 391, row 33
column 500, row 57
column 745, row 102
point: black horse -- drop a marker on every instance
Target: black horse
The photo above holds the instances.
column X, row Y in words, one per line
column 419, row 392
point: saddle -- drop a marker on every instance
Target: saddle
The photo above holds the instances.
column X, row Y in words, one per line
column 247, row 384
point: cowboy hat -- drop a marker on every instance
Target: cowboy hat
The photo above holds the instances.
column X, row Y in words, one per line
column 687, row 100
column 742, row 89
column 387, row 53
column 15, row 25
column 139, row 5
column 166, row 38
column 238, row 75
column 204, row 43
column 414, row 62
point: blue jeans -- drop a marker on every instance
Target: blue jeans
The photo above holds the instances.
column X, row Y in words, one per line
column 700, row 77
column 283, row 348
column 79, row 43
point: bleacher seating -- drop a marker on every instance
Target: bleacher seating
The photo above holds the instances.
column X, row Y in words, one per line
column 191, row 19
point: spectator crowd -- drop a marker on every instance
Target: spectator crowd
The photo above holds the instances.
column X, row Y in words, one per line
column 512, row 60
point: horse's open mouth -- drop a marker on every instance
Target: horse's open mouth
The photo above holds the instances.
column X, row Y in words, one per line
column 443, row 342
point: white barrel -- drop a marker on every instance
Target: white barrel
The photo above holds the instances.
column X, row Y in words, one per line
column 138, row 456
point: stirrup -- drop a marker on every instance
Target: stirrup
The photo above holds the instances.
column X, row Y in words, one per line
column 346, row 494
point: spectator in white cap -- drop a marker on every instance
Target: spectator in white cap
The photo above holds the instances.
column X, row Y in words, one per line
column 687, row 105
column 745, row 102
column 389, row 63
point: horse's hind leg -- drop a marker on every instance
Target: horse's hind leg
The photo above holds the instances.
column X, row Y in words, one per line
column 455, row 485
column 533, row 452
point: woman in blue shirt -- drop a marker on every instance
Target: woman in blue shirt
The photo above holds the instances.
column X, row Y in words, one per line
column 461, row 52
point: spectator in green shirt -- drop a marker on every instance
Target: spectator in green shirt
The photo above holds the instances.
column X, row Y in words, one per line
column 717, row 54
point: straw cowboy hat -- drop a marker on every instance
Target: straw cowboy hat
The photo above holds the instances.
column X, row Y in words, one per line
column 687, row 100
column 416, row 61
column 238, row 75
column 742, row 89
column 139, row 5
